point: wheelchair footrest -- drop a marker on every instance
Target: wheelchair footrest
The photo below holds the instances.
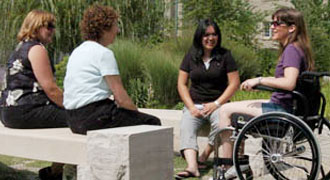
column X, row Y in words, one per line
column 238, row 120
column 223, row 161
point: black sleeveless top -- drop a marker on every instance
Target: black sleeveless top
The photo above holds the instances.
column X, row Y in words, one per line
column 22, row 87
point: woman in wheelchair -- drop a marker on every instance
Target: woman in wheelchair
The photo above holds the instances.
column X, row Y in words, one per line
column 289, row 29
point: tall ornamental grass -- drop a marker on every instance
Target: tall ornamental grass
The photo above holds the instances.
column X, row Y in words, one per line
column 139, row 20
column 147, row 70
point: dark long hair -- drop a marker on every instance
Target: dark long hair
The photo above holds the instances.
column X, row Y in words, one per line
column 197, row 50
column 293, row 17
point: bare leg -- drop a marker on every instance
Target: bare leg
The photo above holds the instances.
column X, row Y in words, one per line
column 191, row 159
column 251, row 107
column 206, row 153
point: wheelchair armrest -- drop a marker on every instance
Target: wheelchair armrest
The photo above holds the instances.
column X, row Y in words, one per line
column 271, row 89
column 315, row 74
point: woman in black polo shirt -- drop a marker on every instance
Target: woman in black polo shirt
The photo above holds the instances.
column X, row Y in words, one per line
column 214, row 79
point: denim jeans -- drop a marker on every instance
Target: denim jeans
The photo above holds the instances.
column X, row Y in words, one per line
column 105, row 114
column 272, row 107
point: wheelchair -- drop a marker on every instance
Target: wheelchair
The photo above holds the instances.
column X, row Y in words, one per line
column 278, row 145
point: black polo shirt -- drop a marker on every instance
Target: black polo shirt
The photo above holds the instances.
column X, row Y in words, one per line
column 208, row 84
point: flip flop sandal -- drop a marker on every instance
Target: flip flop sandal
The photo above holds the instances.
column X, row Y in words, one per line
column 184, row 176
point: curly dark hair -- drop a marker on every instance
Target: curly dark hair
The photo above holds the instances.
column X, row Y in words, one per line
column 96, row 19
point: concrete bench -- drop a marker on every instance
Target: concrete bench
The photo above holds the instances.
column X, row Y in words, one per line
column 172, row 118
column 130, row 153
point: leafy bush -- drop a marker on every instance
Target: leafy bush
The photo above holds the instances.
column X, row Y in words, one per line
column 321, row 46
column 234, row 15
column 317, row 15
column 268, row 60
column 246, row 59
column 60, row 71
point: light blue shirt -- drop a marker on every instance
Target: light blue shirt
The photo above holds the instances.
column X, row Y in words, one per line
column 84, row 82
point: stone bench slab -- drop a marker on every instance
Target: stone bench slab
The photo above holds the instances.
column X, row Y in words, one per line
column 53, row 144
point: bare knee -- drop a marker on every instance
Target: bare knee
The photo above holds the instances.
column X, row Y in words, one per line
column 225, row 113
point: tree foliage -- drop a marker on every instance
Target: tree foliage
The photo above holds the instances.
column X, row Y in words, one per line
column 237, row 16
column 317, row 16
column 138, row 20
column 238, row 22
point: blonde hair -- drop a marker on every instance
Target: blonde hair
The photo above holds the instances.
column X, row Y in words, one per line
column 33, row 22
column 299, row 36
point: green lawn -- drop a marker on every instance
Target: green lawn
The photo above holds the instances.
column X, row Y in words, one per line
column 12, row 168
column 180, row 164
column 29, row 168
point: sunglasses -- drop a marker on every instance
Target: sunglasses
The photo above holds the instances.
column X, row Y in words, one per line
column 50, row 26
column 277, row 23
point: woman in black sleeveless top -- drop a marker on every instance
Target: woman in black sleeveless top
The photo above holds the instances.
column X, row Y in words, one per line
column 31, row 98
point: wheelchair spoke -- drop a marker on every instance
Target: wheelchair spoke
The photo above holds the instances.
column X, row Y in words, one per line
column 300, row 168
column 279, row 146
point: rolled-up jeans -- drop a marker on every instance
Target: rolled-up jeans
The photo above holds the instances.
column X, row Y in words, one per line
column 190, row 126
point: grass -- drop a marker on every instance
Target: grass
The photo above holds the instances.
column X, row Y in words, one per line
column 326, row 92
column 9, row 173
column 12, row 168
column 180, row 164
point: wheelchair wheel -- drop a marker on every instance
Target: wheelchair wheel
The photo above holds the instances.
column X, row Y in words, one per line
column 324, row 143
column 279, row 146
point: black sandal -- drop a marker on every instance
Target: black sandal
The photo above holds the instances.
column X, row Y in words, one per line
column 188, row 175
column 46, row 174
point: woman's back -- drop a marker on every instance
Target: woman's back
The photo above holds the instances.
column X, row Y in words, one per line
column 22, row 86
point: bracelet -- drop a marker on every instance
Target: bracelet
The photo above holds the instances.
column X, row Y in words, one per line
column 217, row 103
column 259, row 80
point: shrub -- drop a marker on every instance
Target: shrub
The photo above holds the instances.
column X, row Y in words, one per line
column 60, row 71
column 246, row 59
column 268, row 60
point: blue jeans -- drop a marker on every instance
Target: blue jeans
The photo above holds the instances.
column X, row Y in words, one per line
column 271, row 107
